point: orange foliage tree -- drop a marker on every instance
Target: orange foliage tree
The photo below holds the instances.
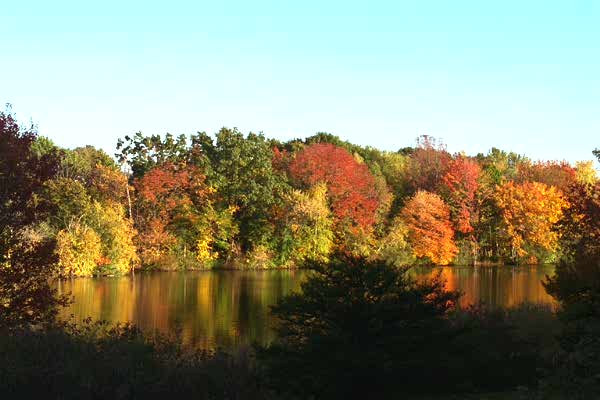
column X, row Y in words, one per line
column 460, row 183
column 427, row 218
column 529, row 212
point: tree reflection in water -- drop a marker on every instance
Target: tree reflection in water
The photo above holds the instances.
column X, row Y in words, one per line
column 231, row 308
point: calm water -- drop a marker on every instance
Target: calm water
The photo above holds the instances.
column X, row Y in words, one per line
column 231, row 308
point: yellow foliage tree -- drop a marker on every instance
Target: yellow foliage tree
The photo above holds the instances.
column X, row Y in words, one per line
column 585, row 172
column 204, row 247
column 310, row 225
column 529, row 212
column 117, row 233
column 79, row 250
column 215, row 229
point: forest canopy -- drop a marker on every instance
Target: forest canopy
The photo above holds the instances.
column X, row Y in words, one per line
column 236, row 200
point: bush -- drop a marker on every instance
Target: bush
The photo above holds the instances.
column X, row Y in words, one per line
column 498, row 348
column 360, row 329
column 577, row 286
column 367, row 330
column 98, row 361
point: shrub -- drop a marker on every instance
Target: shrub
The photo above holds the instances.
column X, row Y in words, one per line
column 360, row 329
column 98, row 361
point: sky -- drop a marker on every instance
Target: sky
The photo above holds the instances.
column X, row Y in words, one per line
column 517, row 75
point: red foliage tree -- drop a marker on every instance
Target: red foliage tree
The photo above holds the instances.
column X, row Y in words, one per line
column 350, row 185
column 460, row 183
column 281, row 160
column 427, row 165
column 552, row 173
column 170, row 197
column 22, row 174
column 169, row 186
column 27, row 262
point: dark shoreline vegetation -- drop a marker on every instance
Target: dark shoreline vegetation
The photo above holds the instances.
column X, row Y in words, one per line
column 360, row 327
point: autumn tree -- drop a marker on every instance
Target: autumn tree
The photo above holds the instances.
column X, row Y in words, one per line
column 460, row 184
column 116, row 232
column 529, row 212
column 580, row 223
column 68, row 201
column 427, row 165
column 26, row 259
column 394, row 247
column 575, row 284
column 87, row 212
column 394, row 167
column 167, row 212
column 79, row 250
column 551, row 173
column 307, row 227
column 350, row 185
column 585, row 173
column 354, row 194
column 427, row 218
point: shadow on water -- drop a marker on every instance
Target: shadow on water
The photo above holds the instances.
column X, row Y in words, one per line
column 231, row 308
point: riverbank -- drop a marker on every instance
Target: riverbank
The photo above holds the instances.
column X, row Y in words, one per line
column 242, row 265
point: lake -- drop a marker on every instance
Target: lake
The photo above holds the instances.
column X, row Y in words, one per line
column 227, row 309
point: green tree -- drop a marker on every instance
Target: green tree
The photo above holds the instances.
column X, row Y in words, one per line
column 499, row 166
column 241, row 170
column 394, row 248
column 68, row 200
column 144, row 152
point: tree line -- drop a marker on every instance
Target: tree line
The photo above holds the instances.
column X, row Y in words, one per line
column 231, row 199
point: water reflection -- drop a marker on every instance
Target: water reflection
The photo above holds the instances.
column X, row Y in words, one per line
column 497, row 286
column 211, row 308
column 231, row 308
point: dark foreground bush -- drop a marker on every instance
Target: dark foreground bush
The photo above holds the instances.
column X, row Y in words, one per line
column 96, row 361
column 504, row 348
column 366, row 330
column 577, row 371
column 358, row 330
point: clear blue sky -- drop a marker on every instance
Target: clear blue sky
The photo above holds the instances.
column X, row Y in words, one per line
column 519, row 75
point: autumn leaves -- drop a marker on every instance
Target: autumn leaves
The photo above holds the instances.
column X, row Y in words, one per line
column 244, row 200
column 248, row 201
